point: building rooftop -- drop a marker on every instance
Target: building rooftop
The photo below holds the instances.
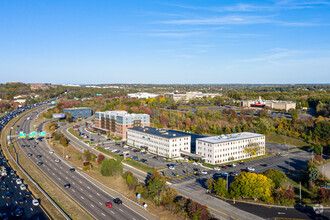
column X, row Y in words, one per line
column 77, row 108
column 229, row 137
column 160, row 132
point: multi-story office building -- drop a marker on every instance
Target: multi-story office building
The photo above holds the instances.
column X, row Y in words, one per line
column 117, row 122
column 79, row 112
column 272, row 104
column 231, row 147
column 166, row 143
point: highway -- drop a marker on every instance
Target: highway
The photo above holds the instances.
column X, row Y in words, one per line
column 84, row 192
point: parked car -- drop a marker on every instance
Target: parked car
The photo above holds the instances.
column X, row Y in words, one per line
column 9, row 195
column 143, row 160
column 57, row 160
column 67, row 185
column 224, row 174
column 30, row 155
column 216, row 168
column 224, row 167
column 27, row 194
column 51, row 151
column 72, row 169
column 38, row 155
column 39, row 163
column 171, row 168
column 250, row 169
column 204, row 172
column 135, row 158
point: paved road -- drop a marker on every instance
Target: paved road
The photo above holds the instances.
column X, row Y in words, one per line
column 9, row 206
column 84, row 192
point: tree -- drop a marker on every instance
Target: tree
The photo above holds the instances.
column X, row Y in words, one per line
column 168, row 195
column 197, row 211
column 64, row 141
column 252, row 185
column 324, row 195
column 275, row 175
column 219, row 187
column 154, row 189
column 209, row 183
column 318, row 149
column 100, row 158
column 106, row 168
column 313, row 174
column 285, row 196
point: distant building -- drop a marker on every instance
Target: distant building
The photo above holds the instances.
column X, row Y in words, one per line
column 117, row 122
column 231, row 147
column 273, row 104
column 81, row 112
column 142, row 95
column 16, row 83
column 185, row 97
column 166, row 143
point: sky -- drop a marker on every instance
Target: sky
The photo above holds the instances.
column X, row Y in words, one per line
column 165, row 42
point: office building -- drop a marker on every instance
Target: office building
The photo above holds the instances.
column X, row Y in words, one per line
column 272, row 104
column 81, row 112
column 117, row 122
column 166, row 143
column 231, row 147
column 142, row 95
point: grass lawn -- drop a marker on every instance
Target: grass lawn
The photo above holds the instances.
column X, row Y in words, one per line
column 141, row 166
column 111, row 154
column 282, row 139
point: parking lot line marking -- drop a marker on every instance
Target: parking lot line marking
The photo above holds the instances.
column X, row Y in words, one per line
column 103, row 214
column 120, row 210
column 31, row 209
column 98, row 194
column 82, row 197
column 81, row 189
column 88, row 187
column 112, row 212
column 59, row 178
column 80, row 181
column 101, row 203
column 73, row 190
column 90, row 196
column 92, row 205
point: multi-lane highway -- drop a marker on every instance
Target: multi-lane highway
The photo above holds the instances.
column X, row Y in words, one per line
column 20, row 199
column 89, row 196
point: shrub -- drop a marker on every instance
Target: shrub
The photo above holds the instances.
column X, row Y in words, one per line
column 285, row 196
column 275, row 175
column 100, row 158
column 324, row 195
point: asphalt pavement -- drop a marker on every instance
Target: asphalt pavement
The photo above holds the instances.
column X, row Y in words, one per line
column 84, row 192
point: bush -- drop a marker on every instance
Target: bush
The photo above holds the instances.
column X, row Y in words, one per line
column 57, row 136
column 285, row 196
column 64, row 141
column 275, row 175
column 313, row 174
column 100, row 158
column 324, row 195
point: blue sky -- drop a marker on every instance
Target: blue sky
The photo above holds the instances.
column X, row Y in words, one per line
column 193, row 41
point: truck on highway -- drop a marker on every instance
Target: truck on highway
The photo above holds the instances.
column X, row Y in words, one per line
column 3, row 171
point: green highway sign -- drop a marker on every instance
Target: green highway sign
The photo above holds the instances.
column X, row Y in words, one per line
column 8, row 137
column 32, row 134
column 22, row 135
column 53, row 102
column 42, row 133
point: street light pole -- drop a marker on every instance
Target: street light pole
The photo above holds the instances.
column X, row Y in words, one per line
column 300, row 192
column 227, row 181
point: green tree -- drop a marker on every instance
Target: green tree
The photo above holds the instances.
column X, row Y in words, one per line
column 154, row 189
column 106, row 168
column 318, row 149
column 219, row 187
column 210, row 183
column 313, row 174
column 275, row 175
column 167, row 195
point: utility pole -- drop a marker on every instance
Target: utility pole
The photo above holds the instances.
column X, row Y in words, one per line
column 227, row 181
column 300, row 192
column 312, row 156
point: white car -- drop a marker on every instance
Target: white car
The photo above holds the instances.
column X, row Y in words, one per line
column 250, row 169
column 195, row 163
column 18, row 181
column 216, row 168
column 171, row 168
column 107, row 148
column 224, row 174
column 57, row 160
column 233, row 165
column 51, row 151
column 23, row 187
column 35, row 202
column 204, row 172
column 115, row 150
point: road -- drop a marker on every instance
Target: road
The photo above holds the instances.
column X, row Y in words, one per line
column 84, row 192
column 9, row 206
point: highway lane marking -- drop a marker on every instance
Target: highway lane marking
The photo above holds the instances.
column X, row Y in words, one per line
column 6, row 204
column 66, row 177
column 53, row 174
column 112, row 212
column 73, row 190
column 73, row 183
column 59, row 178
column 81, row 189
column 82, row 197
column 103, row 214
column 101, row 203
column 98, row 194
column 31, row 209
column 80, row 181
column 60, row 172
column 48, row 169
column 88, row 187
column 120, row 210
column 92, row 205
column 90, row 196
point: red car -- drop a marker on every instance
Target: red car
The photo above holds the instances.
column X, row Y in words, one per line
column 224, row 167
column 108, row 204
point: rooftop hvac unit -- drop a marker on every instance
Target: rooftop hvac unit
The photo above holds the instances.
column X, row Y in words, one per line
column 174, row 135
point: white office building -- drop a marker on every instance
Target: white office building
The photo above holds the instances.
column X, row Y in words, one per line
column 231, row 147
column 142, row 95
column 166, row 143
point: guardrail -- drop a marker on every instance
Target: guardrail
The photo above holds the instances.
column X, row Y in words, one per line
column 30, row 178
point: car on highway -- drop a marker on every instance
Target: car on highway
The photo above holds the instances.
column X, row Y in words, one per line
column 224, row 174
column 9, row 195
column 216, row 168
column 39, row 155
column 117, row 201
column 22, row 187
column 27, row 194
column 19, row 212
column 18, row 181
column 171, row 168
column 72, row 169
column 250, row 169
column 12, row 172
column 35, row 202
column 57, row 160
column 67, row 185
column 51, row 151
column 39, row 163
column 108, row 204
